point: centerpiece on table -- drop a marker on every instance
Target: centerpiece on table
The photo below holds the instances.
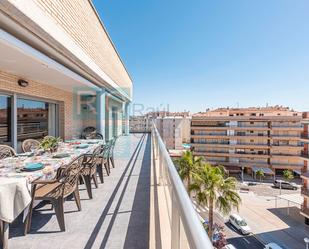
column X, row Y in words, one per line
column 50, row 144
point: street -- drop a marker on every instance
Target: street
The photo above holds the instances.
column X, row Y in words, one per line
column 232, row 235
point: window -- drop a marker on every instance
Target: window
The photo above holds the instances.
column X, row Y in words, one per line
column 251, row 122
column 5, row 119
column 35, row 119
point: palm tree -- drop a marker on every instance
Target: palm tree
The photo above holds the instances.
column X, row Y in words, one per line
column 187, row 167
column 215, row 191
column 260, row 173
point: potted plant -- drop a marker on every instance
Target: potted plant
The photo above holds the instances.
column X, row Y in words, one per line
column 50, row 143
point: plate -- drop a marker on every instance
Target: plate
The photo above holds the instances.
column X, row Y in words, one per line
column 33, row 166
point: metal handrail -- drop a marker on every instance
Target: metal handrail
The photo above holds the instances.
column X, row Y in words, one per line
column 182, row 207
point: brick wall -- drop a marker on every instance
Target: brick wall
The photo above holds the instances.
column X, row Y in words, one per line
column 80, row 22
column 69, row 125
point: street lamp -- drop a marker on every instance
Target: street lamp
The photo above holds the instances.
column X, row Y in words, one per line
column 307, row 242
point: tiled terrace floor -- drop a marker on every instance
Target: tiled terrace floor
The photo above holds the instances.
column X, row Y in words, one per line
column 118, row 216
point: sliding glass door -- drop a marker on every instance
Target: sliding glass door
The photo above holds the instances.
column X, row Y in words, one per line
column 35, row 119
column 5, row 120
column 23, row 118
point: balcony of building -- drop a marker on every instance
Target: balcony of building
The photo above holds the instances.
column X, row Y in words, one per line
column 236, row 136
column 305, row 191
column 227, row 154
column 304, row 211
column 232, row 146
column 305, row 175
column 141, row 204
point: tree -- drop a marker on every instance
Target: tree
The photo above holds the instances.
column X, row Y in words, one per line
column 260, row 173
column 288, row 175
column 215, row 191
column 187, row 167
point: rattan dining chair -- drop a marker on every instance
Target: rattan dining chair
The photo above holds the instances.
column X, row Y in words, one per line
column 56, row 190
column 89, row 169
column 6, row 151
column 103, row 163
column 111, row 152
column 94, row 135
column 29, row 144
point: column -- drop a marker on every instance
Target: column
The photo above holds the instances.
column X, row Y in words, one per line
column 101, row 113
column 126, row 118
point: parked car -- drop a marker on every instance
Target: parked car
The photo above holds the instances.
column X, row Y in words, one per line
column 239, row 223
column 273, row 246
column 285, row 185
column 230, row 246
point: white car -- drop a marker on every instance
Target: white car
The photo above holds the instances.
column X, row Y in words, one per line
column 230, row 246
column 273, row 246
column 239, row 223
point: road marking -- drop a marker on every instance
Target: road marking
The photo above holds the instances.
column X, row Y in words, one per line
column 246, row 240
column 204, row 210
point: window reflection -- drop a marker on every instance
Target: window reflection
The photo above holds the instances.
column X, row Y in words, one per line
column 5, row 119
column 32, row 119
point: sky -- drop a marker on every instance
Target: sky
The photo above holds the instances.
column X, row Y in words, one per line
column 199, row 54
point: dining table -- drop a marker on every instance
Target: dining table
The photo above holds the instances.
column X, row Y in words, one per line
column 16, row 176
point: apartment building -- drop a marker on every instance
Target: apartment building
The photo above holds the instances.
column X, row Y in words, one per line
column 248, row 139
column 174, row 130
column 305, row 172
column 58, row 59
column 174, row 127
column 140, row 124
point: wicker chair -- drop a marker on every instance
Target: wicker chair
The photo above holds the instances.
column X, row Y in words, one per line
column 87, row 131
column 28, row 144
column 48, row 136
column 89, row 169
column 64, row 184
column 111, row 152
column 6, row 151
column 94, row 135
column 103, row 163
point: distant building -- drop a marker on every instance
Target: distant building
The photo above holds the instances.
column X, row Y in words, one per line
column 175, row 131
column 140, row 124
column 248, row 139
column 305, row 172
column 174, row 127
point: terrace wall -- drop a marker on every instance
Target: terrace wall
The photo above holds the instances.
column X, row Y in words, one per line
column 69, row 125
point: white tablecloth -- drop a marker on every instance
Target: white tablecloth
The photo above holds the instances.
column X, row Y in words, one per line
column 14, row 197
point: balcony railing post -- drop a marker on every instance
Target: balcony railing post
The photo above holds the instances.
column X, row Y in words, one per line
column 175, row 224
column 161, row 161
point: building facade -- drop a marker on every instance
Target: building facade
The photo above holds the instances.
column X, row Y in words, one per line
column 305, row 172
column 140, row 124
column 59, row 72
column 247, row 139
column 173, row 127
column 175, row 131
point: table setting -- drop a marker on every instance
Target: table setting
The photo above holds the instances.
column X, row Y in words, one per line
column 17, row 173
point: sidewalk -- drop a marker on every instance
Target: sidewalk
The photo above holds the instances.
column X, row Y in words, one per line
column 272, row 224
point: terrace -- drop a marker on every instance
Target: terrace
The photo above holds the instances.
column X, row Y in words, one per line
column 133, row 208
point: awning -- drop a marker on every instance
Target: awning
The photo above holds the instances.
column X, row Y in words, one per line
column 298, row 172
column 232, row 168
column 291, row 167
column 265, row 170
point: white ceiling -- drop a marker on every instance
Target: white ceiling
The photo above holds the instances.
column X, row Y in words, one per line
column 20, row 59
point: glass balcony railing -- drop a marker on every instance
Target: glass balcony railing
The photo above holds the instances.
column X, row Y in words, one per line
column 185, row 230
